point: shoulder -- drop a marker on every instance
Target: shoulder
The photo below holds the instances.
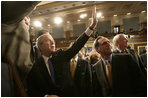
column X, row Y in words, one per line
column 132, row 50
column 98, row 63
column 38, row 63
column 143, row 55
column 116, row 51
column 120, row 56
column 57, row 52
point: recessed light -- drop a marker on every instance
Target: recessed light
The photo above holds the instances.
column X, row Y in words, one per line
column 99, row 14
column 128, row 13
column 37, row 24
column 58, row 20
column 83, row 15
column 115, row 15
column 143, row 11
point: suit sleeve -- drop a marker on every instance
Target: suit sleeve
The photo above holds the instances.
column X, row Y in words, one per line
column 74, row 49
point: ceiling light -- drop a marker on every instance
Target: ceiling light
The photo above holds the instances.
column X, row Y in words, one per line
column 37, row 23
column 68, row 21
column 128, row 13
column 83, row 15
column 99, row 14
column 78, row 20
column 58, row 20
column 143, row 11
column 48, row 24
column 115, row 15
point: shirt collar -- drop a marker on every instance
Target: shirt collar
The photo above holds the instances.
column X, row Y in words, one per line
column 76, row 58
column 119, row 50
column 45, row 58
column 104, row 61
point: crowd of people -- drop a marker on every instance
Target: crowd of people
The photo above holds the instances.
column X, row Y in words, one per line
column 42, row 71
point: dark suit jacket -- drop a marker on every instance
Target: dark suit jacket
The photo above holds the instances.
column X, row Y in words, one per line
column 83, row 78
column 127, row 78
column 136, row 58
column 39, row 82
column 144, row 59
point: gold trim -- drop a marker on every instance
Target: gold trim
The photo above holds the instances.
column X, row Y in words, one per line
column 138, row 43
column 138, row 48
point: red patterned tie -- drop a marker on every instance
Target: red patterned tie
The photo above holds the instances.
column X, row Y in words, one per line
column 123, row 51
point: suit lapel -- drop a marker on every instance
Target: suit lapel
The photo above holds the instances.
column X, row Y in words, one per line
column 101, row 76
column 128, row 51
column 44, row 70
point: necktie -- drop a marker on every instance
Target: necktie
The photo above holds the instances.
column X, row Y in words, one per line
column 73, row 67
column 108, row 72
column 51, row 71
column 123, row 51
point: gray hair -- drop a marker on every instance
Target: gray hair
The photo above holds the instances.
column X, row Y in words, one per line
column 41, row 32
column 116, row 38
column 39, row 40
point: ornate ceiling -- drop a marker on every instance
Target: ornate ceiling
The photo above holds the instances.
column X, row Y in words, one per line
column 71, row 10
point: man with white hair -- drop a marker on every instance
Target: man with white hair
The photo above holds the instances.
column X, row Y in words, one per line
column 116, row 75
column 121, row 43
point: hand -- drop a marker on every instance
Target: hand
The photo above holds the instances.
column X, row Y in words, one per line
column 94, row 19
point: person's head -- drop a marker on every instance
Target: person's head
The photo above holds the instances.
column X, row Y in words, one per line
column 27, row 22
column 102, row 45
column 94, row 57
column 120, row 41
column 46, row 44
column 41, row 32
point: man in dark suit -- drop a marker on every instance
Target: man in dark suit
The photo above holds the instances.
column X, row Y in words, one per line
column 114, row 74
column 143, row 58
column 82, row 76
column 120, row 43
column 51, row 73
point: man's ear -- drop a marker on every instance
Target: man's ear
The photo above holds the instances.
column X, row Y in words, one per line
column 97, row 49
column 40, row 48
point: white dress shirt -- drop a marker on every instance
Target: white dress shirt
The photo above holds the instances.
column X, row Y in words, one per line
column 46, row 63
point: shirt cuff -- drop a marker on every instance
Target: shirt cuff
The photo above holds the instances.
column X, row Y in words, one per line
column 88, row 31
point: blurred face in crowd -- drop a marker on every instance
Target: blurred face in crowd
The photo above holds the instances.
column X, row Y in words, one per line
column 47, row 46
column 104, row 46
column 27, row 22
column 122, row 42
